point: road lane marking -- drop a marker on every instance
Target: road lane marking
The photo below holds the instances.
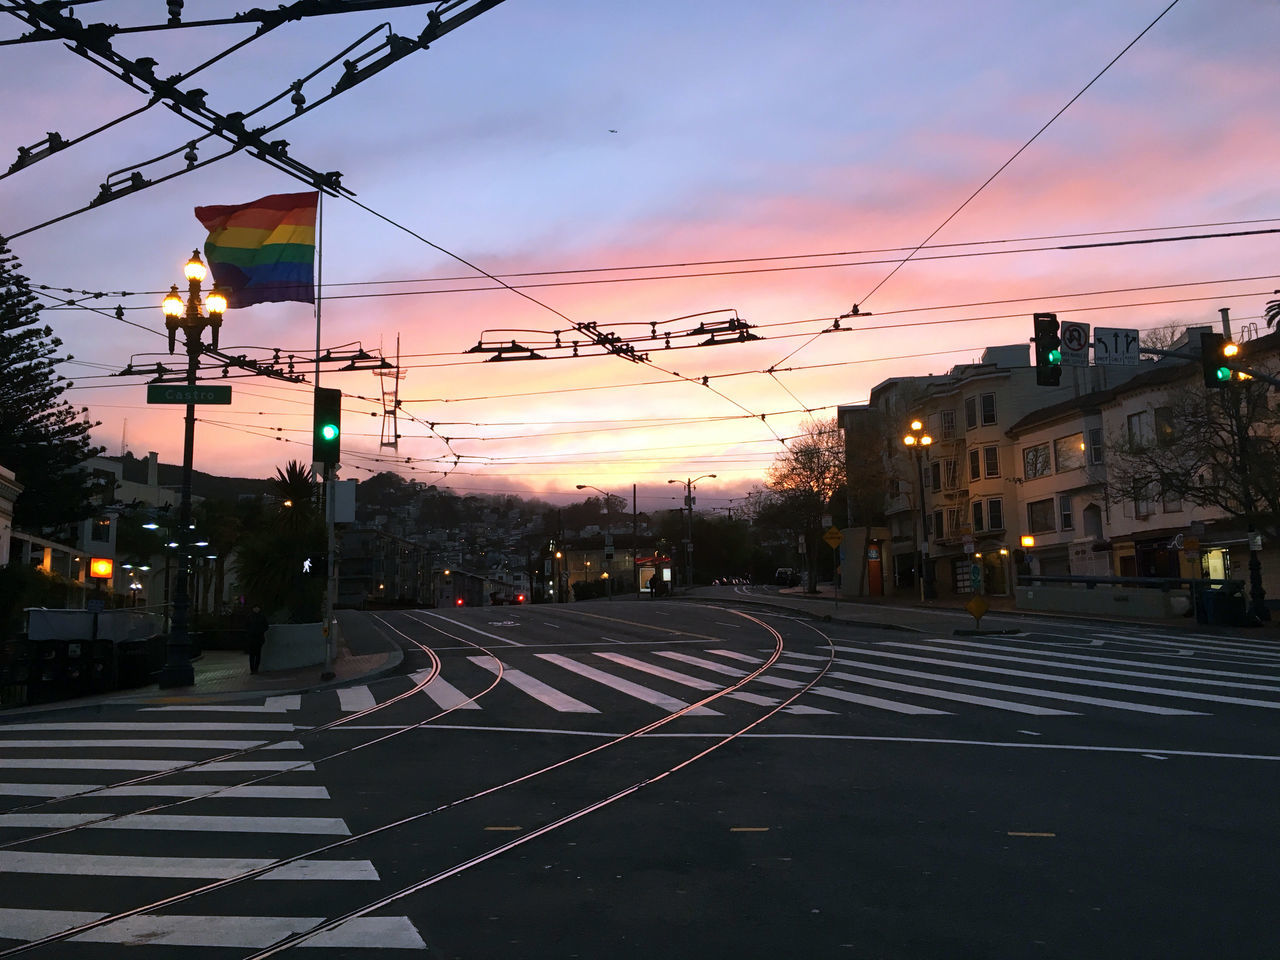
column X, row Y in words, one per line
column 1030, row 833
column 625, row 686
column 878, row 703
column 748, row 829
column 467, row 626
column 543, row 692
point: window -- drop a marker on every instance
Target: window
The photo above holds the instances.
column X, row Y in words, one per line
column 935, row 475
column 100, row 532
column 1066, row 519
column 970, row 413
column 1040, row 517
column 1035, row 461
column 1166, row 431
column 991, row 461
column 975, row 464
column 993, row 509
column 995, row 513
column 948, row 425
column 1068, row 452
column 957, row 520
column 1095, row 445
column 950, row 474
column 988, row 409
column 937, row 524
column 1139, row 426
column 1171, row 501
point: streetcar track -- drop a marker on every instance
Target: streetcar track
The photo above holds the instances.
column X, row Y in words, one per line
column 247, row 875
column 213, row 792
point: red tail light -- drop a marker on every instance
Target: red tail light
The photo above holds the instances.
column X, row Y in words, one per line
column 458, row 602
column 519, row 598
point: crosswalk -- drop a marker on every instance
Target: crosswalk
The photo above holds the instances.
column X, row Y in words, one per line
column 256, row 825
column 926, row 677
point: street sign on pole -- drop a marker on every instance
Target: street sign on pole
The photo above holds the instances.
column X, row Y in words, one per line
column 833, row 537
column 1115, row 346
column 1075, row 344
column 187, row 393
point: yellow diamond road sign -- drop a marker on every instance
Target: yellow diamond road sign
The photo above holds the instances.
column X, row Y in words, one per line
column 833, row 537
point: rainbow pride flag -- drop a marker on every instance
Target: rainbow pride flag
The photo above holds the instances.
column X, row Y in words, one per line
column 264, row 251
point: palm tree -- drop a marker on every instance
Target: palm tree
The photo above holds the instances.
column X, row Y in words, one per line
column 270, row 560
column 1271, row 313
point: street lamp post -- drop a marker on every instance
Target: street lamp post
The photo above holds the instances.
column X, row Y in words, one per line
column 177, row 671
column 608, row 537
column 688, row 543
column 916, row 441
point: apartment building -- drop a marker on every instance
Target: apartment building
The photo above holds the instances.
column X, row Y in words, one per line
column 954, row 505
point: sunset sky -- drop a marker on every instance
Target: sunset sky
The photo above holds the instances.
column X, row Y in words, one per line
column 629, row 165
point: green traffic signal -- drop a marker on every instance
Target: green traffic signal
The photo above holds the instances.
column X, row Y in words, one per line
column 325, row 430
column 1055, row 356
column 1223, row 373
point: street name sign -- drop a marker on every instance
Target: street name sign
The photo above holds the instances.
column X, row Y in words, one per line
column 1075, row 344
column 1115, row 346
column 186, row 393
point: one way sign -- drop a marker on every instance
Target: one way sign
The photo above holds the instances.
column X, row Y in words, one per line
column 1115, row 346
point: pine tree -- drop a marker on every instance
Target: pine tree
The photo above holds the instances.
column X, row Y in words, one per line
column 44, row 440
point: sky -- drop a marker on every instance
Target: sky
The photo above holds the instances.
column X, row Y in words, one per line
column 647, row 168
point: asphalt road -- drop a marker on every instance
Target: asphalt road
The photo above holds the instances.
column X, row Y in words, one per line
column 640, row 779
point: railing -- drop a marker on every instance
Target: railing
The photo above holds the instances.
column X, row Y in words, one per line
column 1160, row 583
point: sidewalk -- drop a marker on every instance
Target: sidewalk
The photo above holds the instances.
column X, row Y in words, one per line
column 224, row 675
column 902, row 613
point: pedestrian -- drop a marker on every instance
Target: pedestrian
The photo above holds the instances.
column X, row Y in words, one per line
column 257, row 627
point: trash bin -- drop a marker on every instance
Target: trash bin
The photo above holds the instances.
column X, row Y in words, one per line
column 1222, row 606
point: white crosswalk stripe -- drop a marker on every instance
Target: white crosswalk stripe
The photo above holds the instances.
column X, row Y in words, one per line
column 376, row 933
column 157, row 742
column 645, row 694
column 445, row 694
column 353, row 699
column 543, row 692
column 1078, row 681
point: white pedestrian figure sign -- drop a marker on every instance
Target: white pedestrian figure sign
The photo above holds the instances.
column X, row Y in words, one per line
column 306, row 565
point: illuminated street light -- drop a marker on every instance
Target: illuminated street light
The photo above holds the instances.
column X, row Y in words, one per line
column 916, row 441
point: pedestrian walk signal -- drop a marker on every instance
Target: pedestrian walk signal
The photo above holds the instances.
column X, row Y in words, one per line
column 326, row 434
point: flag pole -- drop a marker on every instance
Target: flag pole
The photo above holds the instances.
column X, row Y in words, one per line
column 328, row 476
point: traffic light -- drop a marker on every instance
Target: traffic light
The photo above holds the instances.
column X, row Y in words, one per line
column 1048, row 349
column 1215, row 349
column 326, row 428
